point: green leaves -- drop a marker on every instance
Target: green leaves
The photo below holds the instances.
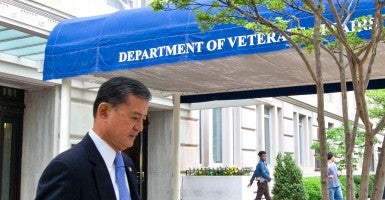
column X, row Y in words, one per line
column 376, row 101
column 288, row 179
column 336, row 136
column 277, row 5
column 249, row 15
column 303, row 38
column 313, row 186
column 336, row 144
column 158, row 5
column 220, row 171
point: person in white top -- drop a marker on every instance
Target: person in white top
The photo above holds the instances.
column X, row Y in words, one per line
column 334, row 185
column 87, row 171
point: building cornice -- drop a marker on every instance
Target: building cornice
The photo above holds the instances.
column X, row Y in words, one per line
column 30, row 17
column 312, row 108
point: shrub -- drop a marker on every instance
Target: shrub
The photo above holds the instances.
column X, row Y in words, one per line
column 357, row 181
column 343, row 184
column 220, row 171
column 288, row 179
column 313, row 186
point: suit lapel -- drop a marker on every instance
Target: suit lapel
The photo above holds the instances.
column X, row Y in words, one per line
column 131, row 177
column 101, row 174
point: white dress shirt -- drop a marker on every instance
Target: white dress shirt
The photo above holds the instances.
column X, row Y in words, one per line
column 108, row 155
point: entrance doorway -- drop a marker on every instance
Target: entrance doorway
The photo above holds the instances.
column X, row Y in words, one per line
column 138, row 153
column 11, row 134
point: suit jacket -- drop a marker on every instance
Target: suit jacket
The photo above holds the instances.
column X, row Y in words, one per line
column 80, row 173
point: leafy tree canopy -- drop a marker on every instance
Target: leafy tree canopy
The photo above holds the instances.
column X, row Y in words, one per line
column 281, row 16
column 376, row 100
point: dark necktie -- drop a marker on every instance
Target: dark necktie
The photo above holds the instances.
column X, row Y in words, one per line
column 120, row 177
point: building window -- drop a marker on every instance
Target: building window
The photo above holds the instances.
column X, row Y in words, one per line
column 372, row 167
column 301, row 138
column 120, row 4
column 372, row 163
column 317, row 160
column 217, row 135
column 267, row 128
column 317, row 163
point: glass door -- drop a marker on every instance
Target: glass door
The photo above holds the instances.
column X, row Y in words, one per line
column 11, row 134
column 10, row 149
column 6, row 159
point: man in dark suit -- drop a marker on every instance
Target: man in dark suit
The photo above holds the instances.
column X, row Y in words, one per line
column 89, row 170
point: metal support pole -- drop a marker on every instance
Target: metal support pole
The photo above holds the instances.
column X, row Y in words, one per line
column 65, row 109
column 176, row 137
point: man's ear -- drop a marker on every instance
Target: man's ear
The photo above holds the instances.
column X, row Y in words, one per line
column 103, row 110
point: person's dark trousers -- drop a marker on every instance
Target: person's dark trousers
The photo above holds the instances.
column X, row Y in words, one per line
column 263, row 189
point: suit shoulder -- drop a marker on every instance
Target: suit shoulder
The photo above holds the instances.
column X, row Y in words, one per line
column 74, row 155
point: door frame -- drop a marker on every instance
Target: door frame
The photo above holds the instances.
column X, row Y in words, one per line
column 12, row 111
column 139, row 155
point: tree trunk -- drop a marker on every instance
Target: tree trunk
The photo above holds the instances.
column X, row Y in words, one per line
column 349, row 135
column 364, row 184
column 349, row 177
column 321, row 107
column 360, row 85
column 322, row 140
column 379, row 180
column 349, row 144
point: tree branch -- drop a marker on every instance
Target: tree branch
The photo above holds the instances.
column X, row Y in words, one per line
column 380, row 126
column 263, row 21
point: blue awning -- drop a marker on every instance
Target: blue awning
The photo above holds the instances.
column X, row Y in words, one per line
column 141, row 37
column 132, row 40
